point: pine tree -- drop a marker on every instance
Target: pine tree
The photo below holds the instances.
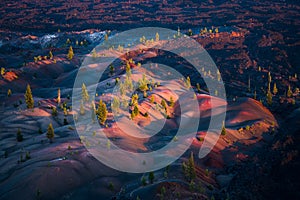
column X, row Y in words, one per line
column 269, row 97
column 178, row 31
column 134, row 99
column 84, row 93
column 164, row 104
column 70, row 53
column 223, row 131
column 128, row 70
column 269, row 81
column 275, row 90
column 198, row 87
column 58, row 96
column 94, row 54
column 9, row 92
column 218, row 75
column 19, row 135
column 172, row 102
column 217, row 30
column 116, row 104
column 152, row 99
column 28, row 97
column 192, row 169
column 136, row 110
column 124, row 103
column 54, row 111
column 128, row 84
column 50, row 133
column 111, row 69
column 143, row 180
column 151, row 177
column 93, row 115
column 188, row 82
column 289, row 92
column 102, row 112
column 122, row 89
column 50, row 55
column 143, row 83
column 2, row 71
column 156, row 37
column 82, row 111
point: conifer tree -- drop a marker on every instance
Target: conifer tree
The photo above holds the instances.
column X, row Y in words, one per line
column 156, row 37
column 54, row 111
column 143, row 84
column 135, row 110
column 152, row 99
column 84, row 93
column 275, row 90
column 93, row 109
column 94, row 54
column 50, row 133
column 111, row 69
column 50, row 55
column 269, row 97
column 115, row 104
column 151, row 177
column 223, row 131
column 102, row 112
column 19, row 135
column 192, row 168
column 172, row 102
column 269, row 81
column 2, row 71
column 188, row 82
column 70, row 53
column 289, row 92
column 164, row 104
column 28, row 97
column 134, row 99
column 178, row 31
column 58, row 96
column 128, row 70
column 128, row 83
column 218, row 75
column 9, row 92
column 198, row 87
column 82, row 111
column 122, row 89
